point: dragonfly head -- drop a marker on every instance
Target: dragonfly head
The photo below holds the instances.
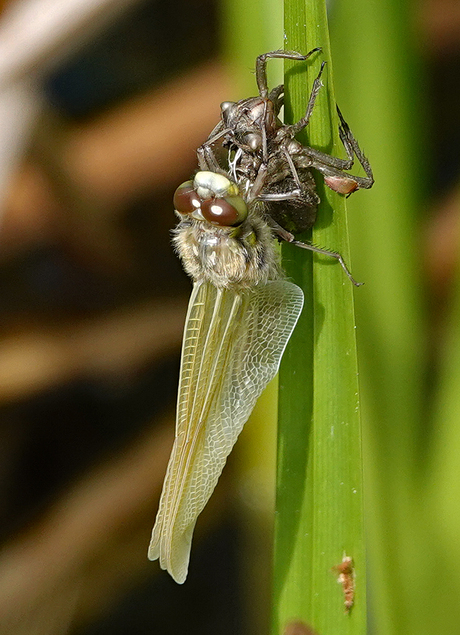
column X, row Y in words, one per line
column 219, row 239
column 213, row 198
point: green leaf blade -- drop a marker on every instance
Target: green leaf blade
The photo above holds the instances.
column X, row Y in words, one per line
column 319, row 493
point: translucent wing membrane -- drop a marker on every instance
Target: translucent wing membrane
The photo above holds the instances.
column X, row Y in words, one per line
column 232, row 347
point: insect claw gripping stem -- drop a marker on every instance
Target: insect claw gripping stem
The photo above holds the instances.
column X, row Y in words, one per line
column 352, row 148
column 302, row 123
column 261, row 65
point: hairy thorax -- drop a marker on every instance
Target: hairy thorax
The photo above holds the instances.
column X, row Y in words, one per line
column 228, row 257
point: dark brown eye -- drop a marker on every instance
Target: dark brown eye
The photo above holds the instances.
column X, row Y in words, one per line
column 227, row 212
column 186, row 200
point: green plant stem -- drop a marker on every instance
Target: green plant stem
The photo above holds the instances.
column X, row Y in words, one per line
column 319, row 514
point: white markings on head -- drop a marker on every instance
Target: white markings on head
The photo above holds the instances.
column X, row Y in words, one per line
column 211, row 184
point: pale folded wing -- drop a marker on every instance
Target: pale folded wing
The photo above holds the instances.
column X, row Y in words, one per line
column 232, row 347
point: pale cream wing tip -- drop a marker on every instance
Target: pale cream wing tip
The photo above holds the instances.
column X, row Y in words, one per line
column 178, row 574
column 175, row 561
column 153, row 552
column 154, row 546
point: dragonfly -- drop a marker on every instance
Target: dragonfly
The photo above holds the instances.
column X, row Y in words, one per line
column 242, row 310
column 240, row 317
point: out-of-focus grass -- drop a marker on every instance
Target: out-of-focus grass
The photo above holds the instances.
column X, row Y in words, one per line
column 442, row 496
column 412, row 440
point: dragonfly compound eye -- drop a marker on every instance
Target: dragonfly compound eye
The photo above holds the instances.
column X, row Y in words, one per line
column 227, row 212
column 186, row 200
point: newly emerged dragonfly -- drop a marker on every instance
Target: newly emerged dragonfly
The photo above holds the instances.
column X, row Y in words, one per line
column 240, row 317
column 242, row 310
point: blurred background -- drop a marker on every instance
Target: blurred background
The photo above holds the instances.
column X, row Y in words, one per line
column 102, row 105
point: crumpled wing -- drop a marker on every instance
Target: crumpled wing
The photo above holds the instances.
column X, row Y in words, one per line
column 232, row 347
